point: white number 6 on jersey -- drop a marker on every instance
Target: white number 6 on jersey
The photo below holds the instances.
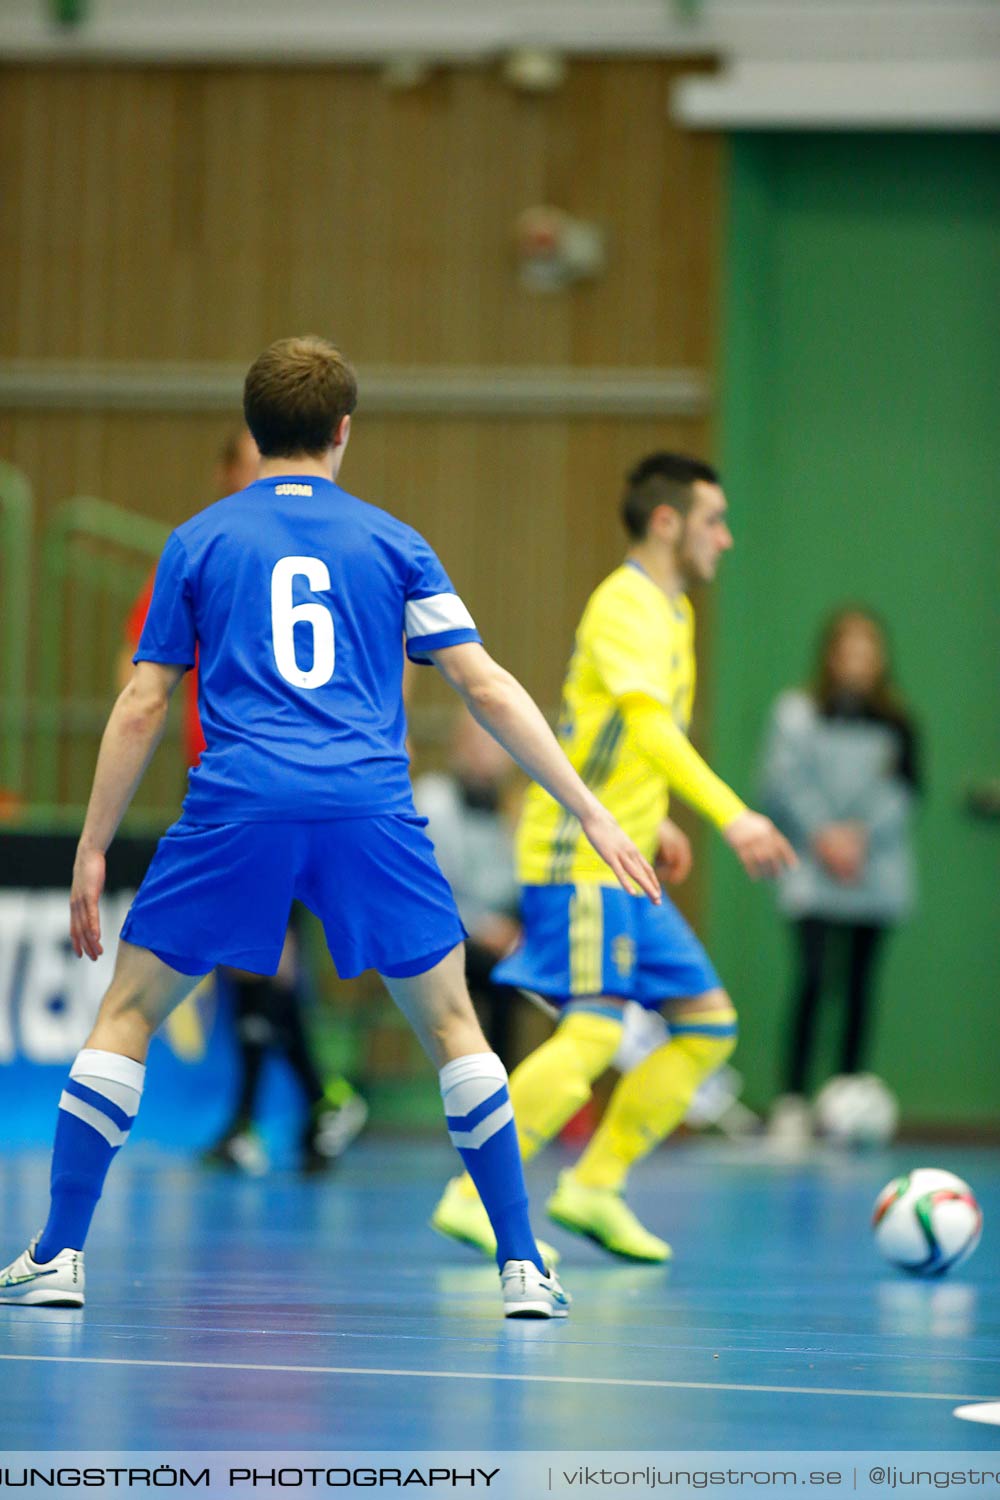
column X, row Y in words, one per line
column 285, row 616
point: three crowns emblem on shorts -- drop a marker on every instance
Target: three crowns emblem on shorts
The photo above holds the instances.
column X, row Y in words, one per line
column 623, row 955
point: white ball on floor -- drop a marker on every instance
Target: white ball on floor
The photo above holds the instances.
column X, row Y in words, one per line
column 856, row 1109
column 927, row 1221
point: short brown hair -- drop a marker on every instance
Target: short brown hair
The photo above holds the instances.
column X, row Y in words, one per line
column 661, row 479
column 296, row 394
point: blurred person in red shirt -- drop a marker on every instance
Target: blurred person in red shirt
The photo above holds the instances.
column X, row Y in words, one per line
column 267, row 1011
column 235, row 468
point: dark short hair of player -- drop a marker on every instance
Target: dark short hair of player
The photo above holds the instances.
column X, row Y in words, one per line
column 661, row 479
column 295, row 396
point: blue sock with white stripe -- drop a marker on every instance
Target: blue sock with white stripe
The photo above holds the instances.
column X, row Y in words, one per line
column 481, row 1125
column 96, row 1110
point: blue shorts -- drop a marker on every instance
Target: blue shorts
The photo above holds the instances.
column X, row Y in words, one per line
column 221, row 894
column 585, row 940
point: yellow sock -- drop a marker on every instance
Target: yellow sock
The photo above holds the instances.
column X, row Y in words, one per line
column 555, row 1080
column 651, row 1101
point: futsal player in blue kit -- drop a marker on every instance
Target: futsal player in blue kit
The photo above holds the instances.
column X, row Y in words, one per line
column 296, row 597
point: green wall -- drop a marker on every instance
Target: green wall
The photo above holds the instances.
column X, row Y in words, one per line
column 861, row 453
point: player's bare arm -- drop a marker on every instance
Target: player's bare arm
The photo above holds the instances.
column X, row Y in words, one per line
column 501, row 705
column 133, row 732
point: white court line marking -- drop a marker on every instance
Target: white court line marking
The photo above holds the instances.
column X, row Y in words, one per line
column 666, row 1385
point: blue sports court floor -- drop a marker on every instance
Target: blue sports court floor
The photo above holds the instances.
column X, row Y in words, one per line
column 284, row 1314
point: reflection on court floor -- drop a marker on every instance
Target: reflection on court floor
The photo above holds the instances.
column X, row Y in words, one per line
column 282, row 1314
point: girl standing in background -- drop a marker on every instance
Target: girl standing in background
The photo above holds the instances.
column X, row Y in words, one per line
column 840, row 780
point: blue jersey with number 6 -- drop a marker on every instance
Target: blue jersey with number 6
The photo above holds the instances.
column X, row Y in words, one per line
column 298, row 596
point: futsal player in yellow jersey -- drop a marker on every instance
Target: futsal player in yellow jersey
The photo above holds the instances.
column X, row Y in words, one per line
column 588, row 946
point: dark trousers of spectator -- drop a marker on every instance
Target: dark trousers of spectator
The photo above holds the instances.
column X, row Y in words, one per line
column 816, row 939
column 269, row 1018
column 494, row 1002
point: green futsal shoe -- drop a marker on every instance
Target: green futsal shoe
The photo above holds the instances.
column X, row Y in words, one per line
column 465, row 1219
column 603, row 1215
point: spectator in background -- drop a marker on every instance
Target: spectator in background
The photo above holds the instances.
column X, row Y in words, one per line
column 267, row 1012
column 469, row 814
column 840, row 778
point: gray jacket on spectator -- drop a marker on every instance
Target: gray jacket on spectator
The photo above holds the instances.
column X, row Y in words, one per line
column 474, row 848
column 843, row 765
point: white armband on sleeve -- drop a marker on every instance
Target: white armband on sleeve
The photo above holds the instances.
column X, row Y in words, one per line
column 439, row 620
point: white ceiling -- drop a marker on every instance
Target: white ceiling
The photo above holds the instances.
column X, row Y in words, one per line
column 784, row 62
column 472, row 28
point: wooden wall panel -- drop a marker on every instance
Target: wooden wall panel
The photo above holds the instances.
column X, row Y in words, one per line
column 524, row 513
column 155, row 214
column 196, row 214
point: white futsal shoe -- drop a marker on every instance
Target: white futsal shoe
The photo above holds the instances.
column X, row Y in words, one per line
column 531, row 1293
column 54, row 1283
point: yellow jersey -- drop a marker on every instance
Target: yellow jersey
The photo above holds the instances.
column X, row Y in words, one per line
column 632, row 639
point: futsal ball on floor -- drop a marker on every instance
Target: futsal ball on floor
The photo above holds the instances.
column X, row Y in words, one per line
column 927, row 1221
column 856, row 1109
